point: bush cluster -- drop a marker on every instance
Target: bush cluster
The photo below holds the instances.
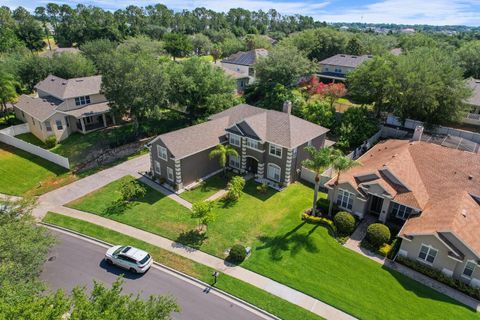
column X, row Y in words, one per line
column 235, row 188
column 377, row 234
column 345, row 223
column 51, row 141
column 237, row 254
column 320, row 220
column 441, row 277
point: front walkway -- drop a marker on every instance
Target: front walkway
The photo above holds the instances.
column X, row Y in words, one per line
column 354, row 244
column 307, row 302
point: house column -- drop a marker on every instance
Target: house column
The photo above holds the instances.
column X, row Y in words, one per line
column 178, row 175
column 104, row 120
column 260, row 170
column 244, row 154
column 384, row 213
column 288, row 167
column 82, row 122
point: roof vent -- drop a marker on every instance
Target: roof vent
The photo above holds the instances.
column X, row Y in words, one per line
column 64, row 83
column 470, row 177
column 52, row 79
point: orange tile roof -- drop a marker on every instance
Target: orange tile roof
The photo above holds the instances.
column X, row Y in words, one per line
column 441, row 182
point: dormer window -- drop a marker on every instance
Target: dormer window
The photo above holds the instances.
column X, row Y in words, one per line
column 400, row 211
column 80, row 101
column 252, row 144
column 234, row 140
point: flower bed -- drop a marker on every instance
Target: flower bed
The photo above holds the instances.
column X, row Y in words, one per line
column 306, row 216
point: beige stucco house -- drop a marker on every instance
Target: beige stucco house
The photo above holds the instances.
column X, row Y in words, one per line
column 61, row 107
column 337, row 67
column 431, row 191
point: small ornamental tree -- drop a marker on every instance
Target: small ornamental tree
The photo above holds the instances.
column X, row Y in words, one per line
column 202, row 211
column 235, row 187
column 237, row 254
column 345, row 222
column 331, row 92
column 131, row 190
column 377, row 234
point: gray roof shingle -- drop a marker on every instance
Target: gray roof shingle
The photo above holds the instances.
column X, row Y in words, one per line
column 71, row 88
column 39, row 108
column 246, row 58
column 346, row 60
column 267, row 125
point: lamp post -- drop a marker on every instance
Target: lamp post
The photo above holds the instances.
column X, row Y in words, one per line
column 215, row 276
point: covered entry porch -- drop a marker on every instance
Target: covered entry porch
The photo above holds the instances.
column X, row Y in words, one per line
column 92, row 117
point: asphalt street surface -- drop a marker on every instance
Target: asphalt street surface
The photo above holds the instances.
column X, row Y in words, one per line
column 74, row 261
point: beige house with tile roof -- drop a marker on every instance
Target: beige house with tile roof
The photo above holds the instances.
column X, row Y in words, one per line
column 270, row 145
column 61, row 107
column 431, row 191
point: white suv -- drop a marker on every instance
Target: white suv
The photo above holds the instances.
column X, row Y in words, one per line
column 130, row 258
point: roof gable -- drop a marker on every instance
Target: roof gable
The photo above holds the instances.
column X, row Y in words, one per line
column 71, row 88
column 246, row 58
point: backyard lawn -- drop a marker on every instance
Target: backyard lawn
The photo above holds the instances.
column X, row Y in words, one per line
column 298, row 254
column 22, row 173
column 245, row 291
column 205, row 189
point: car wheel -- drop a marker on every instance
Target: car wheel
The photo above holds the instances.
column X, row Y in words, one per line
column 133, row 270
column 109, row 262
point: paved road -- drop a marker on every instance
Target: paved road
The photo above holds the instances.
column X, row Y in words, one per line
column 75, row 261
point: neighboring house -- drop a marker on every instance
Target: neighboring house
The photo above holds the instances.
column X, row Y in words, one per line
column 473, row 115
column 62, row 107
column 433, row 192
column 241, row 80
column 51, row 53
column 243, row 62
column 270, row 145
column 337, row 67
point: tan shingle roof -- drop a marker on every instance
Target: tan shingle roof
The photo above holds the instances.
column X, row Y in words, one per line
column 441, row 181
column 39, row 108
column 71, row 88
column 268, row 125
column 89, row 110
column 346, row 60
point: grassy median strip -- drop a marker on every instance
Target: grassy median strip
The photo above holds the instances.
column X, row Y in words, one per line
column 238, row 288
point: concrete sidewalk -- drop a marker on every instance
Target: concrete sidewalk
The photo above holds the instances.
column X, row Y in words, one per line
column 307, row 302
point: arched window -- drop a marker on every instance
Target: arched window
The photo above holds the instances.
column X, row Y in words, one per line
column 273, row 172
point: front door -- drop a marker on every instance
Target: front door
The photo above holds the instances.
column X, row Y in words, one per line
column 376, row 204
column 252, row 165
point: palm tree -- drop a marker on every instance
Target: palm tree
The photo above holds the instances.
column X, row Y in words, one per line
column 8, row 91
column 341, row 164
column 319, row 160
column 223, row 152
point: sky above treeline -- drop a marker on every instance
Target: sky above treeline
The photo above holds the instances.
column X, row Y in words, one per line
column 433, row 12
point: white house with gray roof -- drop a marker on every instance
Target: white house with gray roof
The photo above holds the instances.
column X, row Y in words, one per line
column 61, row 107
column 270, row 144
column 338, row 66
column 242, row 64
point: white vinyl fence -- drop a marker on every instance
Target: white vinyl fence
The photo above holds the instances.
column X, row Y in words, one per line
column 7, row 136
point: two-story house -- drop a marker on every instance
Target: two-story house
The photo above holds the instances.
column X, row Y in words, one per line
column 270, row 144
column 62, row 107
column 242, row 64
column 431, row 191
column 338, row 66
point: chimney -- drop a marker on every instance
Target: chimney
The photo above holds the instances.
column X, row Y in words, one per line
column 417, row 134
column 287, row 107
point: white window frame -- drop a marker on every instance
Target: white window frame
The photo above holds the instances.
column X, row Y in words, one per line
column 275, row 148
column 48, row 126
column 162, row 152
column 272, row 176
column 170, row 174
column 400, row 211
column 429, row 249
column 59, row 127
column 234, row 162
column 469, row 262
column 157, row 168
column 252, row 144
column 232, row 139
column 344, row 196
column 83, row 100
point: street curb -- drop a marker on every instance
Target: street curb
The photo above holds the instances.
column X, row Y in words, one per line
column 211, row 288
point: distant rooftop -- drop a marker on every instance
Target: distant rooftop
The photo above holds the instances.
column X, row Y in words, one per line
column 246, row 58
column 474, row 84
column 346, row 60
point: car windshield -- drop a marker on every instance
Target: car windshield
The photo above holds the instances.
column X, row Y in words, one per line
column 116, row 252
column 144, row 260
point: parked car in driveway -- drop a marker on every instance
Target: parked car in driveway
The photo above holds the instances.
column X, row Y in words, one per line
column 129, row 258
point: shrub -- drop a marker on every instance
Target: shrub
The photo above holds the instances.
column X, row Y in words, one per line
column 263, row 188
column 320, row 220
column 202, row 210
column 51, row 141
column 385, row 249
column 345, row 222
column 237, row 254
column 377, row 234
column 235, row 187
column 131, row 190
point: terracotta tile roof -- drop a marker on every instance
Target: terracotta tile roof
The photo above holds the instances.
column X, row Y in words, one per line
column 442, row 182
column 71, row 88
column 267, row 125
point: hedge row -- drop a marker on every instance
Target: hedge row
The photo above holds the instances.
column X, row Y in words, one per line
column 320, row 220
column 440, row 276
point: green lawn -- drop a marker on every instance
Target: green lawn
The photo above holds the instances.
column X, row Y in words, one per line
column 22, row 173
column 205, row 189
column 245, row 291
column 300, row 255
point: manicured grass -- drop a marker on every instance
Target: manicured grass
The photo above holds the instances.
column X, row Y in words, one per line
column 245, row 291
column 298, row 254
column 22, row 173
column 205, row 189
column 32, row 139
column 155, row 212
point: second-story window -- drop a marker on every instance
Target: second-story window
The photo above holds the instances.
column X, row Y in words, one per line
column 401, row 211
column 80, row 101
column 234, row 140
column 252, row 144
column 275, row 150
column 162, row 152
